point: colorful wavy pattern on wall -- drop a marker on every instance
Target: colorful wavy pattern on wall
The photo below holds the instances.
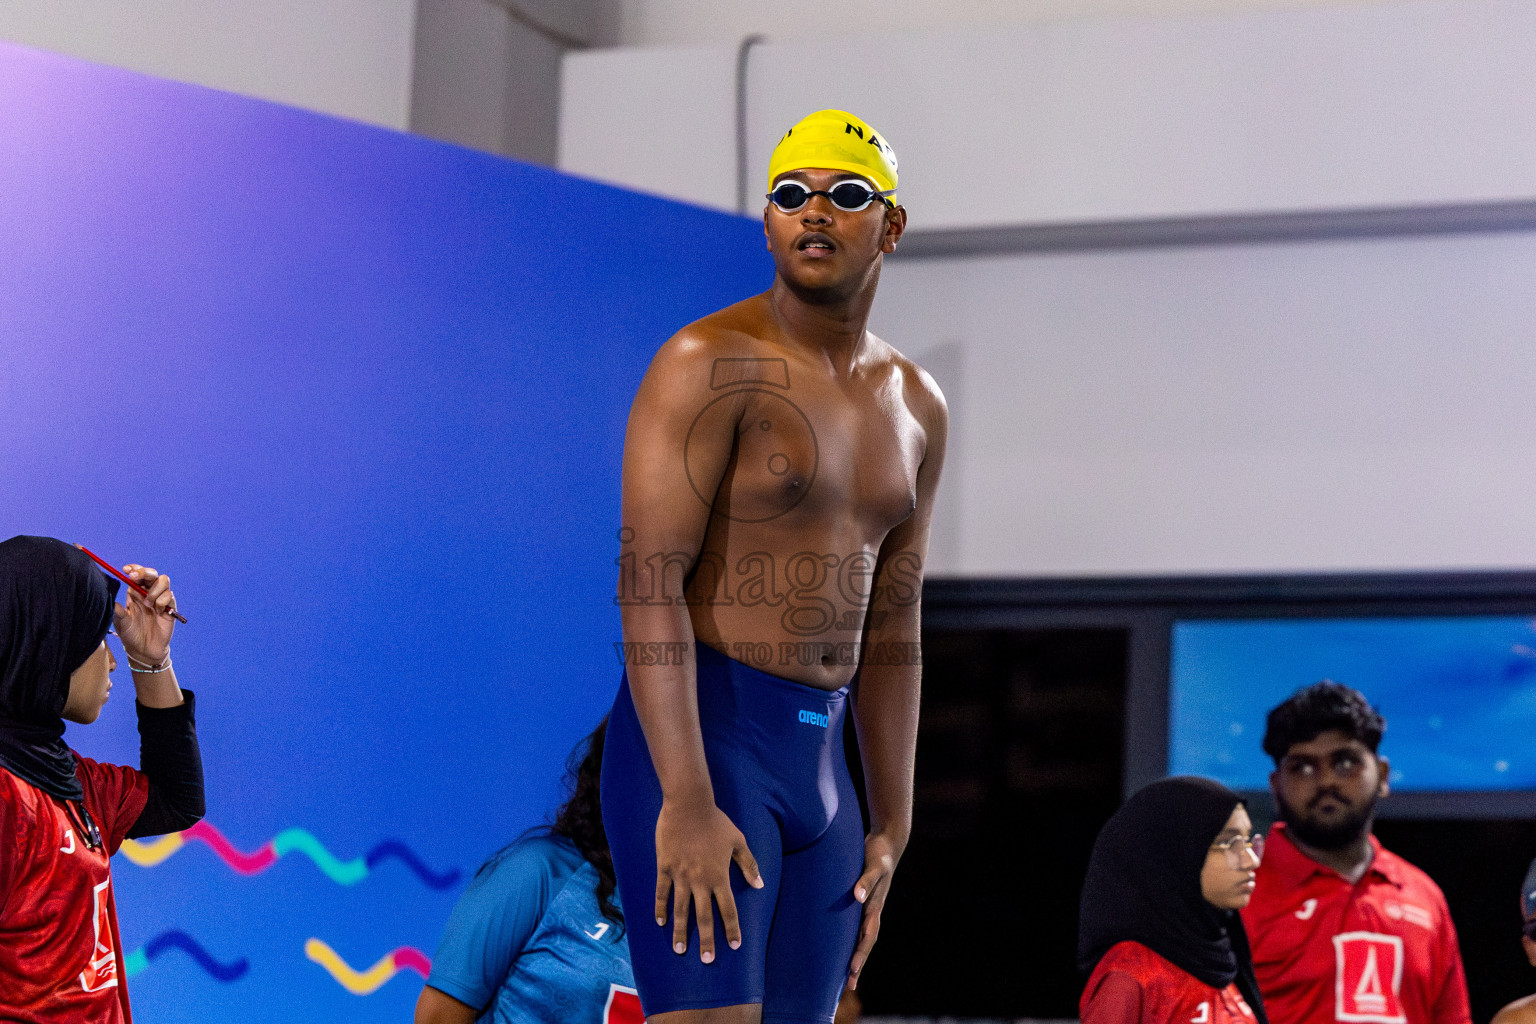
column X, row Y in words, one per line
column 364, row 983
column 149, row 853
column 139, row 959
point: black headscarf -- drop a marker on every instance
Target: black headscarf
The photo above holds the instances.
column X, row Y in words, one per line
column 1143, row 886
column 55, row 607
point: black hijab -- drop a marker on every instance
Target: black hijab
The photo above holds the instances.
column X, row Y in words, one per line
column 1143, row 886
column 55, row 607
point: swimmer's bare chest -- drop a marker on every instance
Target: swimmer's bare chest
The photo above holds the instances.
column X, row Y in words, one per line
column 820, row 473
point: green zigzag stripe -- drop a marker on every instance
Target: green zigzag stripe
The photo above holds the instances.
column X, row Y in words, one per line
column 341, row 872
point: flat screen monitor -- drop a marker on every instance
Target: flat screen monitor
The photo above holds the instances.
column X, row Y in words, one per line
column 1458, row 693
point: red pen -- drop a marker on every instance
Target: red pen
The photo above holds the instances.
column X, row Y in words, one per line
column 142, row 592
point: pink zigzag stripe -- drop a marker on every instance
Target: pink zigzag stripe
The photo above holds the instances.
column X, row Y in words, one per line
column 415, row 959
column 245, row 863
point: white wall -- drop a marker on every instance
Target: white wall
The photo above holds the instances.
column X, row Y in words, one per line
column 486, row 80
column 691, row 22
column 351, row 58
column 656, row 120
column 1305, row 406
column 1330, row 405
column 1391, row 104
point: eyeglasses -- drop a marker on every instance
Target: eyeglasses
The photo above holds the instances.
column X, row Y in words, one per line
column 848, row 196
column 1234, row 847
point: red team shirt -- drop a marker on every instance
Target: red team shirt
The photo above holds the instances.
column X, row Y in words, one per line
column 60, row 956
column 1134, row 985
column 1381, row 951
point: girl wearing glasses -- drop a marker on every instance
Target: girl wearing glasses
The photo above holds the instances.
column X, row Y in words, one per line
column 1159, row 934
column 62, row 815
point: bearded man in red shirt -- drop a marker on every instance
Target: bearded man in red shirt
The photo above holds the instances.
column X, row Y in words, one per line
column 1343, row 930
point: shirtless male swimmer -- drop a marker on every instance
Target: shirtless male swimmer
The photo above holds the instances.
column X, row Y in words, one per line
column 779, row 474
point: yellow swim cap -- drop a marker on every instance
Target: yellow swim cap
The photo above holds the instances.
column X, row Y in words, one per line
column 835, row 139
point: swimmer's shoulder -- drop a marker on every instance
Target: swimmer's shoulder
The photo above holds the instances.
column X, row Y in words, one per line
column 923, row 396
column 735, row 332
column 740, row 329
column 1521, row 1011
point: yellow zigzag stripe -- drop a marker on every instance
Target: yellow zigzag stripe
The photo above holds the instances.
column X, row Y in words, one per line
column 359, row 983
column 156, row 851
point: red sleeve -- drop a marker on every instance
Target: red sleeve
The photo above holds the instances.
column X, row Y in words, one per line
column 115, row 795
column 1451, row 1006
column 1116, row 1000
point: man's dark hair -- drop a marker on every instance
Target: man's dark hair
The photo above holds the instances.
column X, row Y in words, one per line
column 1316, row 709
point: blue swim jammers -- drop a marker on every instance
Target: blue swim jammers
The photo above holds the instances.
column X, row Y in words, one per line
column 775, row 754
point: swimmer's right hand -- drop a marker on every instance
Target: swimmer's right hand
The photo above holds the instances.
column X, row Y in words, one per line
column 695, row 844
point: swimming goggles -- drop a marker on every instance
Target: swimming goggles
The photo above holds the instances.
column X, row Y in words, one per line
column 848, row 196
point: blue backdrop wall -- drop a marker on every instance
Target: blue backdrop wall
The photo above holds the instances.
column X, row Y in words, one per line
column 362, row 395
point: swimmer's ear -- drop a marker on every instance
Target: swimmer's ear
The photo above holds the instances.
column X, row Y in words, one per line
column 895, row 225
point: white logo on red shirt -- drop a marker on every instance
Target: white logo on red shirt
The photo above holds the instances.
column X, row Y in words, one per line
column 1410, row 913
column 1202, row 1014
column 623, row 1006
column 101, row 969
column 69, row 841
column 1307, row 910
column 1368, row 978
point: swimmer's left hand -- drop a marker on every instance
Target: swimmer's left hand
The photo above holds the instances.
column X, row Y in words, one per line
column 879, row 864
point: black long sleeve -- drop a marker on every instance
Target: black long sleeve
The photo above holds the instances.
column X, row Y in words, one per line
column 169, row 756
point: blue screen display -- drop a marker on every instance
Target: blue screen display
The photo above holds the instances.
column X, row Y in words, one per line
column 362, row 396
column 1458, row 694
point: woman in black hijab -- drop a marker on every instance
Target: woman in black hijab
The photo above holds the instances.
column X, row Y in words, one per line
column 62, row 816
column 1158, row 933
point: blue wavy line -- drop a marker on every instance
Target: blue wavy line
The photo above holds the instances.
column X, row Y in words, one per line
column 187, row 944
column 398, row 850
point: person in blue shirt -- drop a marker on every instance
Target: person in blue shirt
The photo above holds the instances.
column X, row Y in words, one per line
column 538, row 937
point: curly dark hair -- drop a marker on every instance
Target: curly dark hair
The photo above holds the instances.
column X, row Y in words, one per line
column 1314, row 710
column 580, row 818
